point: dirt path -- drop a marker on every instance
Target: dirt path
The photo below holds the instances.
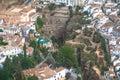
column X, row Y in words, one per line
column 97, row 71
column 98, row 53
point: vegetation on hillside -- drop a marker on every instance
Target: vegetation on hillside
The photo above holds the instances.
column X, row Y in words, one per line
column 51, row 6
column 2, row 43
column 39, row 25
column 66, row 57
column 10, row 71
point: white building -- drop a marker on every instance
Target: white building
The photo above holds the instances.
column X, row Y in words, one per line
column 11, row 30
column 9, row 51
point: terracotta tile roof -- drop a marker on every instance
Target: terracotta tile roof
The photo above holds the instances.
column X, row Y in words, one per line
column 29, row 49
column 94, row 5
column 43, row 73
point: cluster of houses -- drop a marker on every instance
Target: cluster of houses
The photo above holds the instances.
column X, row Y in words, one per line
column 46, row 73
column 17, row 26
column 106, row 18
column 18, row 14
column 15, row 36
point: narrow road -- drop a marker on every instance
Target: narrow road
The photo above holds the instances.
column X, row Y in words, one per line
column 37, row 66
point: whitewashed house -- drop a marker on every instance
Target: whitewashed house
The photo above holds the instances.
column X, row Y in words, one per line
column 9, row 51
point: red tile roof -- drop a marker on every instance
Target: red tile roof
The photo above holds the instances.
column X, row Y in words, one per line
column 43, row 73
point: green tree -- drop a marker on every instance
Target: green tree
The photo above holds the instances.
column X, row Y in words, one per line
column 67, row 57
column 27, row 63
column 33, row 43
column 4, row 74
column 103, row 44
column 1, row 39
column 1, row 30
column 51, row 6
column 86, row 13
column 96, row 37
column 67, row 76
column 77, row 8
column 78, row 78
column 72, row 35
column 60, row 41
column 87, row 32
column 13, row 67
column 71, row 14
column 53, row 39
column 39, row 23
column 8, row 68
column 24, row 49
column 87, row 42
column 78, row 70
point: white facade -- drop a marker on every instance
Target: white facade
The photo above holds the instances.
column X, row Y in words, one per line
column 59, row 75
column 10, row 31
column 9, row 51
